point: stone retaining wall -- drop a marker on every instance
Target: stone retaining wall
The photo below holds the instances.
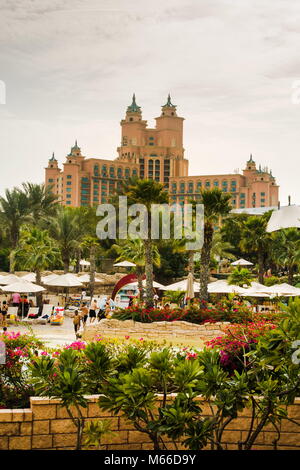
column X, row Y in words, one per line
column 46, row 425
column 156, row 330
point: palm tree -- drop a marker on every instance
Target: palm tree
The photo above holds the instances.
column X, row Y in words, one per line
column 174, row 296
column 221, row 249
column 133, row 249
column 216, row 204
column 67, row 229
column 240, row 277
column 14, row 211
column 93, row 245
column 286, row 250
column 42, row 202
column 256, row 240
column 36, row 251
column 147, row 192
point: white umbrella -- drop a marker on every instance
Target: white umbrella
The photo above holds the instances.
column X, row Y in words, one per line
column 6, row 280
column 22, row 287
column 283, row 289
column 84, row 262
column 181, row 285
column 256, row 290
column 190, row 286
column 286, row 217
column 125, row 264
column 86, row 278
column 64, row 280
column 156, row 285
column 31, row 277
column 241, row 262
column 222, row 287
column 49, row 277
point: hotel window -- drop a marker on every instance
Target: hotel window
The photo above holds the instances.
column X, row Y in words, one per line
column 157, row 170
column 112, row 172
column 199, row 185
column 151, row 139
column 69, row 195
column 174, row 187
column 150, row 169
column 51, row 180
column 69, row 189
column 127, row 172
column 84, row 198
column 224, row 185
column 96, row 170
column 207, row 184
column 69, row 183
column 134, row 172
column 191, row 187
column 104, row 170
column 85, row 179
column 119, row 172
column 263, row 200
column 69, row 176
column 182, row 188
column 84, row 191
column 233, row 185
column 216, row 184
column 68, row 202
column 262, row 194
column 84, row 185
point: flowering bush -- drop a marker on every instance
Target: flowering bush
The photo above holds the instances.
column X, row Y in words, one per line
column 235, row 312
column 237, row 341
column 15, row 389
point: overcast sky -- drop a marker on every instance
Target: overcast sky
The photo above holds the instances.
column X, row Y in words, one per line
column 70, row 68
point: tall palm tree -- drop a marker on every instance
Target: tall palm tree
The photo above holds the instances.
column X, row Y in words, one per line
column 93, row 245
column 256, row 240
column 42, row 202
column 286, row 250
column 216, row 205
column 67, row 229
column 36, row 251
column 133, row 249
column 147, row 192
column 221, row 248
column 14, row 211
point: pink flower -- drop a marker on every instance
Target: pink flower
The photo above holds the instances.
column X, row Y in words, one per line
column 127, row 337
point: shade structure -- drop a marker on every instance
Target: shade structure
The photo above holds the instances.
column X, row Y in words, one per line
column 9, row 279
column 286, row 217
column 64, row 280
column 31, row 277
column 284, row 289
column 125, row 264
column 190, row 286
column 84, row 262
column 86, row 278
column 222, row 287
column 256, row 290
column 241, row 262
column 22, row 287
column 49, row 277
column 181, row 285
column 156, row 285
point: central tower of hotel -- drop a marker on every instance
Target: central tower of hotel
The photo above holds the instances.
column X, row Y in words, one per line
column 156, row 154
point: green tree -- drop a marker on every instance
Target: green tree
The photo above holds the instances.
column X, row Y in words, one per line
column 240, row 277
column 36, row 251
column 42, row 202
column 255, row 239
column 286, row 250
column 216, row 205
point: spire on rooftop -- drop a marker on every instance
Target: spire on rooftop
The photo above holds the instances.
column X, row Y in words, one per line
column 133, row 108
column 52, row 159
column 169, row 103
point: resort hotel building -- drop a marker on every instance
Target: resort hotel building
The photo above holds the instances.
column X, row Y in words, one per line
column 156, row 154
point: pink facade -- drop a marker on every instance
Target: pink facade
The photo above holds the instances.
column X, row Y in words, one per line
column 157, row 154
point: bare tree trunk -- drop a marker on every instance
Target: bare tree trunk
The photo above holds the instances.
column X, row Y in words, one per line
column 92, row 270
column 291, row 274
column 39, row 295
column 139, row 275
column 66, row 265
column 149, row 273
column 205, row 261
column 261, row 268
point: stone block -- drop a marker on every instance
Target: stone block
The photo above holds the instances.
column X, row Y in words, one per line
column 44, row 411
column 5, row 415
column 3, row 443
column 41, row 427
column 62, row 426
column 26, row 429
column 20, row 443
column 64, row 440
column 42, row 441
column 137, row 436
column 9, row 429
column 61, row 412
column 119, row 437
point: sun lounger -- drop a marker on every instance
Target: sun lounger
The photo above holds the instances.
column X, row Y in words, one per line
column 46, row 313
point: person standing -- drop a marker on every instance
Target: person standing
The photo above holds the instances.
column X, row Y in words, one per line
column 92, row 312
column 84, row 311
column 76, row 322
column 101, row 311
column 16, row 298
column 4, row 313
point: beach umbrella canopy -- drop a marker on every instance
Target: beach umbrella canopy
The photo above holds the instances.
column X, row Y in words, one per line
column 22, row 286
column 6, row 280
column 64, row 280
column 256, row 290
column 222, row 287
column 286, row 217
column 156, row 285
column 84, row 262
column 125, row 264
column 49, row 277
column 241, row 262
column 283, row 289
column 190, row 286
column 181, row 285
column 86, row 278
